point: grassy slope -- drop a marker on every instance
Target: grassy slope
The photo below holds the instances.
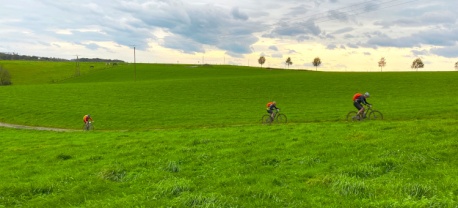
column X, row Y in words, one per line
column 181, row 96
column 406, row 160
column 370, row 164
column 44, row 72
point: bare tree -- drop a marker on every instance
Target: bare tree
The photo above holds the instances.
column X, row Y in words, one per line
column 262, row 60
column 288, row 62
column 382, row 63
column 456, row 65
column 417, row 63
column 316, row 62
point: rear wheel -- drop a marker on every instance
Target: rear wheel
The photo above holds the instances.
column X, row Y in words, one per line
column 353, row 116
column 281, row 118
column 88, row 127
column 266, row 119
column 375, row 115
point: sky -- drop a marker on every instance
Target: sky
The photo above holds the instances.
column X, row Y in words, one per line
column 347, row 35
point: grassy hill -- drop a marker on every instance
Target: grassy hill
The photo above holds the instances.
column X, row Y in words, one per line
column 165, row 96
column 45, row 72
column 190, row 136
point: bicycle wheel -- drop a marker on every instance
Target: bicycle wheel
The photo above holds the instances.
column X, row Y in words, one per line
column 375, row 115
column 266, row 119
column 88, row 127
column 352, row 116
column 281, row 118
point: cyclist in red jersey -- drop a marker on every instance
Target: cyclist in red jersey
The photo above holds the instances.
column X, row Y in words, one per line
column 271, row 106
column 359, row 101
column 86, row 119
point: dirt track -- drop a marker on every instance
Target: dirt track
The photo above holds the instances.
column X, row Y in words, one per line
column 34, row 127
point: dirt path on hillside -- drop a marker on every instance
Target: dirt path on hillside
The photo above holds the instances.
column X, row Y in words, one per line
column 16, row 126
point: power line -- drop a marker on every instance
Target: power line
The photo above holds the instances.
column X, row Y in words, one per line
column 352, row 7
column 347, row 11
column 380, row 8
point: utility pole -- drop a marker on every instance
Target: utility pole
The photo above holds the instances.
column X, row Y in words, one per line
column 135, row 67
column 77, row 72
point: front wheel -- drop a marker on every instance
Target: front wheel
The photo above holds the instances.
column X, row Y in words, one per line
column 375, row 115
column 88, row 127
column 281, row 118
column 353, row 116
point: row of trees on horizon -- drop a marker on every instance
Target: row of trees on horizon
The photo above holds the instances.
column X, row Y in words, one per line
column 416, row 64
column 16, row 56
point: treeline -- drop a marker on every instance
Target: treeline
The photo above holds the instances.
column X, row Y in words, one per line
column 98, row 60
column 15, row 56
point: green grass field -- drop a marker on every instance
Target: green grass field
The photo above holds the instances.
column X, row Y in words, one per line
column 191, row 136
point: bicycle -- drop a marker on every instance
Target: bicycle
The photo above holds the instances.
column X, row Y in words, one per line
column 88, row 126
column 278, row 117
column 371, row 115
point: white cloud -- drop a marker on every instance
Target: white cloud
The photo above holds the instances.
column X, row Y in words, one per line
column 233, row 28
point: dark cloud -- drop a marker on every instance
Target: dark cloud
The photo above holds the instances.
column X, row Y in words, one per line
column 238, row 15
column 231, row 26
column 132, row 23
column 386, row 41
column 331, row 47
column 343, row 30
column 92, row 46
column 338, row 15
column 443, row 37
column 182, row 44
column 349, row 36
column 237, row 44
column 274, row 48
column 204, row 24
column 370, row 6
column 300, row 9
column 352, row 45
column 302, row 38
column 420, row 19
column 449, row 51
column 420, row 52
column 297, row 30
column 329, row 36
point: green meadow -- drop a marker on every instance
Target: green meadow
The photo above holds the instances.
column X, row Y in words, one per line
column 191, row 136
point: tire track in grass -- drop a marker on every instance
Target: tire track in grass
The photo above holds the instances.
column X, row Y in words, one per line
column 16, row 126
column 39, row 128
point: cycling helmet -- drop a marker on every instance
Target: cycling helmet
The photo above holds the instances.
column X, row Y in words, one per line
column 367, row 94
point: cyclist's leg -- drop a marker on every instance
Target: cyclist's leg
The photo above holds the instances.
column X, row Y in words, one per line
column 271, row 113
column 360, row 109
column 364, row 112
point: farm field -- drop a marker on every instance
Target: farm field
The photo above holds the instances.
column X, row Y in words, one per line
column 177, row 96
column 190, row 136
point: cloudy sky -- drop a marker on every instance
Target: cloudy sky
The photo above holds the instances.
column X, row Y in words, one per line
column 347, row 35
